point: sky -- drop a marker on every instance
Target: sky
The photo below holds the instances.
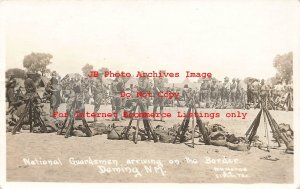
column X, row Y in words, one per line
column 233, row 38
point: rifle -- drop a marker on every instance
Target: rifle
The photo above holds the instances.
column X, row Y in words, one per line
column 33, row 112
column 69, row 128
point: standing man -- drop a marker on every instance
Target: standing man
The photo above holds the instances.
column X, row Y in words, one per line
column 158, row 101
column 263, row 92
column 86, row 88
column 32, row 95
column 238, row 95
column 97, row 91
column 75, row 98
column 233, row 87
column 144, row 86
column 10, row 89
column 53, row 91
column 30, row 85
column 204, row 91
column 226, row 90
column 116, row 88
column 256, row 89
column 214, row 92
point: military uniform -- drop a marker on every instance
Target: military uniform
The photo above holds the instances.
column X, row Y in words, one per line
column 159, row 86
column 10, row 90
column 31, row 94
column 75, row 99
column 53, row 93
column 116, row 88
column 205, row 91
column 75, row 103
column 86, row 88
column 226, row 90
column 255, row 92
column 233, row 87
column 263, row 92
column 239, row 92
column 249, row 93
column 144, row 86
column 214, row 92
column 188, row 96
column 30, row 89
column 97, row 91
column 29, row 85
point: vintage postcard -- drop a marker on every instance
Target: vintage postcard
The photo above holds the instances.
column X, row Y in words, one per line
column 176, row 93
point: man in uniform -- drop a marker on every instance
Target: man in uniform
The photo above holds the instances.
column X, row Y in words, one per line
column 255, row 92
column 97, row 91
column 263, row 92
column 249, row 93
column 144, row 86
column 233, row 87
column 226, row 90
column 116, row 88
column 239, row 95
column 10, row 90
column 75, row 98
column 53, row 91
column 86, row 88
column 205, row 91
column 31, row 94
column 29, row 84
column 158, row 101
column 75, row 103
column 214, row 90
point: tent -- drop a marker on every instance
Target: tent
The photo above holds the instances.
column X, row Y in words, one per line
column 131, row 82
column 72, row 75
column 43, row 81
column 188, row 83
column 107, row 81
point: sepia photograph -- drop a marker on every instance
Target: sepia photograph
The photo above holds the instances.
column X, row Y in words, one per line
column 148, row 92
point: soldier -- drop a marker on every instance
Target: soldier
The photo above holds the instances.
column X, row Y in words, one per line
column 184, row 93
column 159, row 86
column 53, row 92
column 263, row 92
column 238, row 95
column 233, row 87
column 116, row 88
column 32, row 95
column 226, row 90
column 86, row 88
column 97, row 91
column 214, row 90
column 10, row 89
column 204, row 91
column 255, row 92
column 144, row 86
column 76, row 108
column 75, row 97
column 249, row 93
column 29, row 84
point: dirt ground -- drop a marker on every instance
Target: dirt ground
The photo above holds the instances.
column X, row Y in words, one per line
column 172, row 163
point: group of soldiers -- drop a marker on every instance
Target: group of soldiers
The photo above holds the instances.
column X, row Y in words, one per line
column 14, row 94
column 211, row 94
column 277, row 97
column 226, row 94
column 30, row 102
column 215, row 94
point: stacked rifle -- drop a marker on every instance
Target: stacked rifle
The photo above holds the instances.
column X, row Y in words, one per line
column 32, row 110
column 71, row 119
column 185, row 124
column 140, row 107
column 277, row 134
